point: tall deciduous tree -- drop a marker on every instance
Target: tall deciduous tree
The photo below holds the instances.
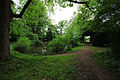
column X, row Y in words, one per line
column 6, row 15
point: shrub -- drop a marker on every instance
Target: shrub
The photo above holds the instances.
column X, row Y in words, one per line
column 37, row 43
column 75, row 43
column 22, row 44
column 14, row 37
column 58, row 45
column 32, row 36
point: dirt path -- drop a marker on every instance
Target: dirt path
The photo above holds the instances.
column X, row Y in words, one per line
column 87, row 68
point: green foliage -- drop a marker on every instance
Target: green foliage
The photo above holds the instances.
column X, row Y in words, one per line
column 66, row 41
column 103, row 17
column 58, row 45
column 107, row 20
column 107, row 59
column 32, row 36
column 34, row 21
column 18, row 29
column 77, row 26
column 37, row 43
column 22, row 44
column 61, row 26
column 49, row 36
column 36, row 14
column 72, row 37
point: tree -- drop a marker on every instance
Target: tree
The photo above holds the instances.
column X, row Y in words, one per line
column 107, row 20
column 6, row 14
column 49, row 35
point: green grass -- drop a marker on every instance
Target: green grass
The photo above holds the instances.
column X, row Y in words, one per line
column 75, row 49
column 34, row 67
column 93, row 47
column 108, row 60
column 29, row 67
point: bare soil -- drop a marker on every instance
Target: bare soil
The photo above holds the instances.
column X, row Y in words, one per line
column 87, row 68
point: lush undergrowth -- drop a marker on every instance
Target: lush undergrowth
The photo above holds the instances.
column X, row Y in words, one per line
column 41, row 51
column 29, row 67
column 108, row 60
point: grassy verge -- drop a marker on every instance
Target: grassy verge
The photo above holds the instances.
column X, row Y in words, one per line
column 107, row 59
column 29, row 67
column 93, row 47
column 75, row 49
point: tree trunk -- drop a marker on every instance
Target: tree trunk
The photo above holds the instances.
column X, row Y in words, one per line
column 33, row 29
column 38, row 29
column 4, row 30
column 61, row 31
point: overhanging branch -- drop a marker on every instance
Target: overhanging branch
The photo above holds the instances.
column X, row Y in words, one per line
column 80, row 3
column 23, row 10
column 29, row 1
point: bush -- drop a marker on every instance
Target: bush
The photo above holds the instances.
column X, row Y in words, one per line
column 75, row 43
column 58, row 45
column 32, row 36
column 22, row 44
column 37, row 43
column 14, row 37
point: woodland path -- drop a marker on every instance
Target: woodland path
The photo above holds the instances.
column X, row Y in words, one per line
column 87, row 68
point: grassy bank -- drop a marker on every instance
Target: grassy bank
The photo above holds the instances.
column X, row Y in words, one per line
column 29, row 67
